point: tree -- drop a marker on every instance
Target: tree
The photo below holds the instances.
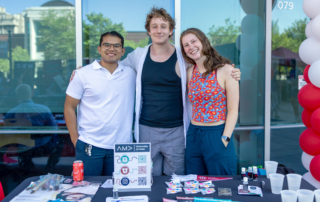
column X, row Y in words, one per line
column 134, row 45
column 224, row 34
column 279, row 39
column 94, row 28
column 18, row 54
column 58, row 35
column 297, row 33
column 291, row 38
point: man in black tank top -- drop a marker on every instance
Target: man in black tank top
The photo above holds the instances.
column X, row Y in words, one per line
column 161, row 92
column 161, row 118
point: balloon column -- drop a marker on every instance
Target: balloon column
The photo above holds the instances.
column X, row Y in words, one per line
column 309, row 95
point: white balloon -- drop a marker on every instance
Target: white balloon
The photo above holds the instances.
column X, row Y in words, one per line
column 308, row 30
column 306, row 159
column 316, row 27
column 250, row 56
column 314, row 73
column 252, row 24
column 309, row 50
column 242, row 41
column 309, row 178
column 311, row 8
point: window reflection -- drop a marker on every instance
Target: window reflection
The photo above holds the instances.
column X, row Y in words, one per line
column 288, row 154
column 130, row 26
column 28, row 113
column 238, row 35
column 288, row 32
column 249, row 147
column 32, row 88
column 42, row 45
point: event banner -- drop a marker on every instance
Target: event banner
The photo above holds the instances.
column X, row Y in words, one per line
column 132, row 167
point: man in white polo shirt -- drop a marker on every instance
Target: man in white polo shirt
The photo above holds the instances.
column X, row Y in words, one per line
column 104, row 91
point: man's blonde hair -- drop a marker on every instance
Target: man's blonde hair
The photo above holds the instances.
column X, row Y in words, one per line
column 159, row 13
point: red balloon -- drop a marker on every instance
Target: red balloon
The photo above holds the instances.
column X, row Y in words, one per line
column 305, row 74
column 306, row 118
column 315, row 120
column 314, row 167
column 309, row 97
column 310, row 142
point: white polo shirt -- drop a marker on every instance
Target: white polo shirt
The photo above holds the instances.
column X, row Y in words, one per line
column 105, row 110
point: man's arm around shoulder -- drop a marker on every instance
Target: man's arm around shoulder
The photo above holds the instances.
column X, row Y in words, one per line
column 132, row 58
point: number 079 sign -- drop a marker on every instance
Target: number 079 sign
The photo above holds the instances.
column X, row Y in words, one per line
column 132, row 167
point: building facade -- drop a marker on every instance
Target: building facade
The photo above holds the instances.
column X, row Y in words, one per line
column 262, row 38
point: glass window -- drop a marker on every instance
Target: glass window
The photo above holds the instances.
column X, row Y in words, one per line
column 128, row 18
column 237, row 31
column 42, row 46
column 285, row 148
column 36, row 59
column 288, row 32
column 249, row 146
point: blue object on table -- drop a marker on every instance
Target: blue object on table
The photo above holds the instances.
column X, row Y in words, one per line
column 262, row 171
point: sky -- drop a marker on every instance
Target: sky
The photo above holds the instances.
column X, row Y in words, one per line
column 201, row 13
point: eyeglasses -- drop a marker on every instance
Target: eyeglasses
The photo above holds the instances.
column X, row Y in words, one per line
column 107, row 46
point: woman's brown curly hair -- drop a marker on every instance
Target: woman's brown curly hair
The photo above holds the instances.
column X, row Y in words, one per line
column 213, row 59
column 159, row 13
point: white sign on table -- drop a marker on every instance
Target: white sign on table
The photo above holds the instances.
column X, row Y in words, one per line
column 132, row 167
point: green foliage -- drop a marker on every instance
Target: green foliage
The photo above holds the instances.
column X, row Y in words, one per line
column 134, row 45
column 58, row 35
column 291, row 38
column 92, row 31
column 4, row 65
column 18, row 54
column 224, row 34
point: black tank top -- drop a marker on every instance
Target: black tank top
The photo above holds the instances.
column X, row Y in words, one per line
column 161, row 94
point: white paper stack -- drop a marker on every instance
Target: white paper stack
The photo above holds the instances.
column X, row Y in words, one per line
column 183, row 178
column 252, row 190
column 142, row 198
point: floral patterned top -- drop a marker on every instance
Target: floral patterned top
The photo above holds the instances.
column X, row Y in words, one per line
column 208, row 98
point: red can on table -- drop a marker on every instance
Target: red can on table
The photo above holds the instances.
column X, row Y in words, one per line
column 78, row 170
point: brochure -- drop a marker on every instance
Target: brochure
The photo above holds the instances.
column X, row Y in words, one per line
column 142, row 198
column 66, row 193
column 252, row 190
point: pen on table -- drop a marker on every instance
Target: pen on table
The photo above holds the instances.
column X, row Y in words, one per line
column 39, row 185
